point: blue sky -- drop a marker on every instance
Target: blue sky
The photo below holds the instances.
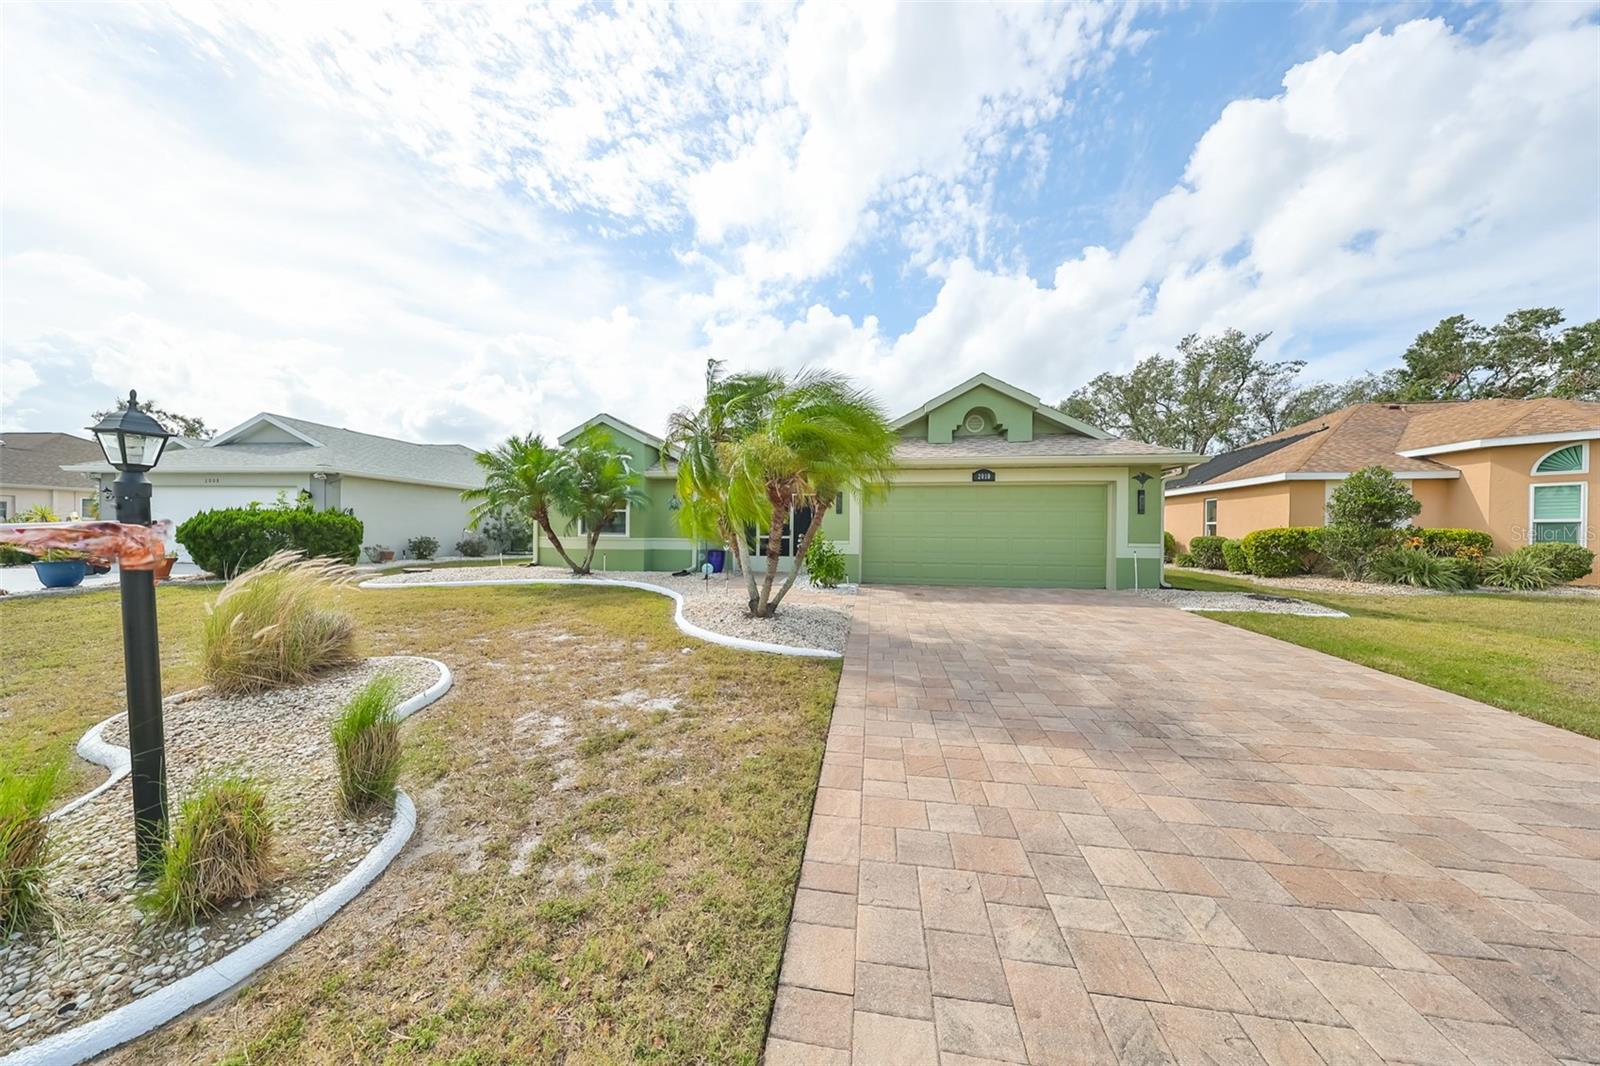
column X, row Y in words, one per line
column 453, row 222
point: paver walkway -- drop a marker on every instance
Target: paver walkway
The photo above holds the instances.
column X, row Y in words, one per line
column 1076, row 828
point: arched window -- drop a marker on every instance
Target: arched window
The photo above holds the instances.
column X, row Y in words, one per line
column 1568, row 459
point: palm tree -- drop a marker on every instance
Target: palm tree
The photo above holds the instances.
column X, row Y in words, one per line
column 526, row 476
column 809, row 440
column 733, row 408
column 599, row 482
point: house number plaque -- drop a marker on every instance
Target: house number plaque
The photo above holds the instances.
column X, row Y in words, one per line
column 983, row 475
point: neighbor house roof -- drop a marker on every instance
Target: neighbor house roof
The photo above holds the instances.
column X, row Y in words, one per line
column 35, row 460
column 1399, row 436
column 1051, row 449
column 321, row 448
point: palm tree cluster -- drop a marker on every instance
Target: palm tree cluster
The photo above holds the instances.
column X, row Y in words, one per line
column 585, row 483
column 762, row 444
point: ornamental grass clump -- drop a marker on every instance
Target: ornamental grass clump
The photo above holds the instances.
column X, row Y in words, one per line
column 220, row 851
column 24, row 844
column 1422, row 569
column 1519, row 571
column 366, row 745
column 271, row 626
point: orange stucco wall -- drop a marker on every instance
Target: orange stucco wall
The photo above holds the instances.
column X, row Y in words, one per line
column 1492, row 494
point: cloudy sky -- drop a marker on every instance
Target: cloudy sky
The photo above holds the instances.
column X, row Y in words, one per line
column 451, row 223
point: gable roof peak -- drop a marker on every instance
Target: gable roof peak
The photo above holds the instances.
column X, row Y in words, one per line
column 1005, row 388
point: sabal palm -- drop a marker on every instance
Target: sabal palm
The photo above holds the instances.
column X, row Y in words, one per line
column 814, row 437
column 598, row 481
column 526, row 476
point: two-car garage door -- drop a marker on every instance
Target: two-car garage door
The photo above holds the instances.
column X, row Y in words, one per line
column 986, row 534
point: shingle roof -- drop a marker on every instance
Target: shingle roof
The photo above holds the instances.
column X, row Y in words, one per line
column 37, row 459
column 338, row 451
column 1372, row 434
column 1062, row 445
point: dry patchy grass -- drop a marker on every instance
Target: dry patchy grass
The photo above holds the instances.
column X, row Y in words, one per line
column 611, row 830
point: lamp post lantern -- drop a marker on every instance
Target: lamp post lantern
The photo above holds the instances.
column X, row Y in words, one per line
column 132, row 442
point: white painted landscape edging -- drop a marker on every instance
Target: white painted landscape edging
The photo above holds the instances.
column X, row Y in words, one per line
column 683, row 623
column 155, row 1009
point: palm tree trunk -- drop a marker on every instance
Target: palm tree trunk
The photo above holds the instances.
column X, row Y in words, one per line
column 542, row 517
column 588, row 555
column 780, row 514
column 818, row 512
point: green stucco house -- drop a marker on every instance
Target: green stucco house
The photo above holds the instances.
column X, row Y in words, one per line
column 993, row 488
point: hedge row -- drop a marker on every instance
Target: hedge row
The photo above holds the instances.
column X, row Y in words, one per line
column 224, row 542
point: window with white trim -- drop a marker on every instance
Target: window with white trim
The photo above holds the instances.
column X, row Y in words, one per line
column 1568, row 459
column 1556, row 513
column 616, row 524
column 1208, row 524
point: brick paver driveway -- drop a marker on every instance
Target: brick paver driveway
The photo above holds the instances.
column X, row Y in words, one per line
column 1076, row 828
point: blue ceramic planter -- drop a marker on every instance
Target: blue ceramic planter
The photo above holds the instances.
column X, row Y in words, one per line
column 61, row 574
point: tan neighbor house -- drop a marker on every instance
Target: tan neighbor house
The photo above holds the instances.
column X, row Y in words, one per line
column 31, row 474
column 1521, row 470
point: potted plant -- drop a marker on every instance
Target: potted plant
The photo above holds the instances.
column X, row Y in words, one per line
column 164, row 567
column 378, row 553
column 59, row 568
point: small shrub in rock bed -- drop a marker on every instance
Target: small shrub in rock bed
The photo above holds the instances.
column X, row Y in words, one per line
column 471, row 547
column 1569, row 562
column 24, row 843
column 1185, row 560
column 14, row 556
column 1169, row 547
column 1207, row 552
column 1233, row 557
column 422, row 547
column 1422, row 569
column 1520, row 571
column 366, row 745
column 1282, row 551
column 232, row 540
column 825, row 563
column 220, row 851
column 271, row 626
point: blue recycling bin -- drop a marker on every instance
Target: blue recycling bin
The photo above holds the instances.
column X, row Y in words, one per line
column 716, row 557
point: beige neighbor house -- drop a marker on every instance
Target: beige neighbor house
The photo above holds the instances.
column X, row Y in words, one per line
column 1521, row 470
column 31, row 474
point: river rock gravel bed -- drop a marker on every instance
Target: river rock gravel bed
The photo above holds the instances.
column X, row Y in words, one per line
column 101, row 952
column 1188, row 600
column 807, row 618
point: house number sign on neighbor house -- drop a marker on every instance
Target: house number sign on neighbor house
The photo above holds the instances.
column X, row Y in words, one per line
column 984, row 474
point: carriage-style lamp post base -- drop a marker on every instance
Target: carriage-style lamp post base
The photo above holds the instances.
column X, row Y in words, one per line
column 132, row 442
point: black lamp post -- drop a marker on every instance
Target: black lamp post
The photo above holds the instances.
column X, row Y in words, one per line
column 133, row 442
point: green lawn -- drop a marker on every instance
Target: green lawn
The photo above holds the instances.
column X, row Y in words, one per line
column 1534, row 655
column 609, row 837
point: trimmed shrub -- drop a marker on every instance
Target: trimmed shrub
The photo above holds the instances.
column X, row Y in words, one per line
column 11, row 555
column 1569, row 562
column 510, row 533
column 234, row 539
column 471, row 546
column 824, row 563
column 1185, row 560
column 1423, row 569
column 1233, row 557
column 1282, row 551
column 422, row 547
column 24, row 844
column 366, row 745
column 220, row 851
column 1207, row 552
column 1169, row 547
column 1520, row 571
column 1461, row 543
column 270, row 626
